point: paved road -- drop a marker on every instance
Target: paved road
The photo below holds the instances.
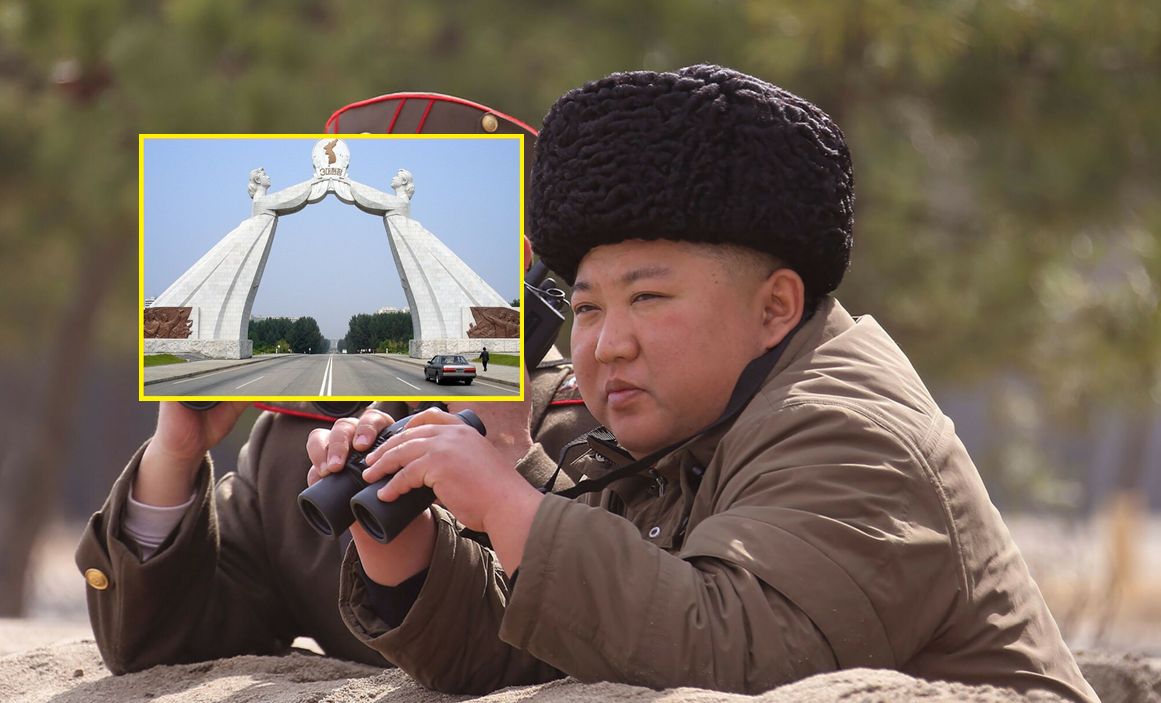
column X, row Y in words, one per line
column 323, row 375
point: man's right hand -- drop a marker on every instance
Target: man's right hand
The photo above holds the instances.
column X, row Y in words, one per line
column 410, row 552
column 172, row 457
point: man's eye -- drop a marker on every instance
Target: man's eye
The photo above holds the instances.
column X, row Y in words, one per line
column 582, row 308
column 639, row 297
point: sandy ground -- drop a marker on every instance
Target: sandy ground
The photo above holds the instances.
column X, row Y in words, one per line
column 51, row 656
column 69, row 670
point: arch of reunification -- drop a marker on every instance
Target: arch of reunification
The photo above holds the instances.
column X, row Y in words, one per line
column 207, row 309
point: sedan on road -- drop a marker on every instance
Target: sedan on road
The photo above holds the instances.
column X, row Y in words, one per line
column 449, row 368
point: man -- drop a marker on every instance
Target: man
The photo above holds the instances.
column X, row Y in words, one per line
column 180, row 569
column 484, row 356
column 777, row 494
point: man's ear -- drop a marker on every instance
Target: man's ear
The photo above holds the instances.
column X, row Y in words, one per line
column 783, row 305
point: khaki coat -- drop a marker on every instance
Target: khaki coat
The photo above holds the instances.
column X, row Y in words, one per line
column 838, row 522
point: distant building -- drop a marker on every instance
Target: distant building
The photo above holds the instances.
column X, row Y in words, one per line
column 149, row 301
column 390, row 309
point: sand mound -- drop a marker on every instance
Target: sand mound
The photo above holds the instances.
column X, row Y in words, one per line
column 1122, row 678
column 72, row 672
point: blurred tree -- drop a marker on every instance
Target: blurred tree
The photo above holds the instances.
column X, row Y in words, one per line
column 989, row 138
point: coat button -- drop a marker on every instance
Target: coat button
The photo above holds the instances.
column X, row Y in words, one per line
column 97, row 579
column 654, row 532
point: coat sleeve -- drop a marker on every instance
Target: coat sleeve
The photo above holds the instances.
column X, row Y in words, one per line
column 206, row 593
column 448, row 641
column 648, row 617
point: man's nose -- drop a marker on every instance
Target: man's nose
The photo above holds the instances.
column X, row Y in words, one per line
column 616, row 340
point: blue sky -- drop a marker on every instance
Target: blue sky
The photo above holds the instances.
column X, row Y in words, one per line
column 331, row 260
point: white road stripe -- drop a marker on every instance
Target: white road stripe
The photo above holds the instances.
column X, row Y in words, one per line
column 203, row 375
column 406, row 383
column 200, row 376
column 249, row 382
column 325, row 388
column 510, row 389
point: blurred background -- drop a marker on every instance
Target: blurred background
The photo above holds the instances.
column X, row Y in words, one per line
column 1008, row 224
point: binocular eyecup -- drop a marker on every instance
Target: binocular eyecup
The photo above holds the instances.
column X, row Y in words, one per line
column 339, row 499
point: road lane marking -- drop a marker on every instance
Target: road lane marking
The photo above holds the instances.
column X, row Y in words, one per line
column 509, row 389
column 203, row 375
column 249, row 382
column 210, row 373
column 406, row 383
column 325, row 388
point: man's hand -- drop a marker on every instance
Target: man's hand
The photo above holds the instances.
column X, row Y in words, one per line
column 410, row 552
column 170, row 462
column 507, row 424
column 473, row 477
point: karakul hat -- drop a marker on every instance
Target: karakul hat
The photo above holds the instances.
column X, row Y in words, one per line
column 704, row 154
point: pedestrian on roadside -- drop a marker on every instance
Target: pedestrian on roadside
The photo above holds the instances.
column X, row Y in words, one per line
column 484, row 358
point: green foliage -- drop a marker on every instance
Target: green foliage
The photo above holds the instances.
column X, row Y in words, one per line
column 267, row 334
column 392, row 346
column 382, row 331
column 306, row 337
column 278, row 335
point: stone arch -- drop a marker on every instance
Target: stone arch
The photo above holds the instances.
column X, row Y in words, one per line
column 216, row 294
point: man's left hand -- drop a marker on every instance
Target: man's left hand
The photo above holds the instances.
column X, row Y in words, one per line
column 472, row 476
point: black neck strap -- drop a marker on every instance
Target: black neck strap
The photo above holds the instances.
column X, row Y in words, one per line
column 744, row 391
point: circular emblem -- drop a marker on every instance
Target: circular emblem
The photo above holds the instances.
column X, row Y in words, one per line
column 330, row 157
column 97, row 579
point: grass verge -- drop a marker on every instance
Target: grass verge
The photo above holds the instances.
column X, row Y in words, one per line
column 162, row 359
column 502, row 359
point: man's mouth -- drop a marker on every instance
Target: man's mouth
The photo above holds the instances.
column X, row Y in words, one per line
column 619, row 393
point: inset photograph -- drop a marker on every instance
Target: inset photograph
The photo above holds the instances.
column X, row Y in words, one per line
column 340, row 267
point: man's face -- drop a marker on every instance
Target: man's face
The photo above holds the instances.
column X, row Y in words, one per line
column 662, row 331
column 397, row 181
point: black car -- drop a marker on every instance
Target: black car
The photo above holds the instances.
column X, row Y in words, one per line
column 449, row 368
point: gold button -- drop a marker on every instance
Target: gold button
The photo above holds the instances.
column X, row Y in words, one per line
column 97, row 579
column 490, row 123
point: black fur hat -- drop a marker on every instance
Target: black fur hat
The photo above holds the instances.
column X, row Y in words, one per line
column 705, row 154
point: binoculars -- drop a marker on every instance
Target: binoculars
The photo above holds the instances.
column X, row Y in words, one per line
column 339, row 499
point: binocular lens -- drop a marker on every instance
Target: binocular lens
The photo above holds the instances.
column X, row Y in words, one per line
column 384, row 521
column 315, row 517
column 199, row 404
column 327, row 504
column 369, row 523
